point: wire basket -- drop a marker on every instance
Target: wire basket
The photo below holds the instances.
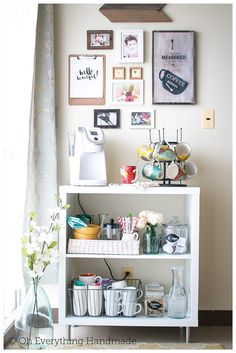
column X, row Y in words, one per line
column 107, row 301
column 106, row 247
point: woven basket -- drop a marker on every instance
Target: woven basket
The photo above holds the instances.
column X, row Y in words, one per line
column 108, row 247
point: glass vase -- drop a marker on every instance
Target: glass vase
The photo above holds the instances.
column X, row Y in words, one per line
column 177, row 299
column 34, row 322
column 151, row 240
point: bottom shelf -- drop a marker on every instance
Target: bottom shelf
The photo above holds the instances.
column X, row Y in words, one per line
column 139, row 320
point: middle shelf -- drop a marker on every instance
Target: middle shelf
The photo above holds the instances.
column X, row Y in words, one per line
column 132, row 257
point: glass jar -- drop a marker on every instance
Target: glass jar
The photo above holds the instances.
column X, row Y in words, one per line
column 152, row 239
column 177, row 299
column 154, row 300
column 175, row 237
column 34, row 322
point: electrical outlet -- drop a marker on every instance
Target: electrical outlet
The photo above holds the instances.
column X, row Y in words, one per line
column 129, row 269
column 208, row 119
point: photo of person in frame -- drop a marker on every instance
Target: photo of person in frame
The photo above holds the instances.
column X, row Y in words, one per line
column 130, row 46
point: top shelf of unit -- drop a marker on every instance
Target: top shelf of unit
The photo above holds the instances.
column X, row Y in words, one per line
column 121, row 189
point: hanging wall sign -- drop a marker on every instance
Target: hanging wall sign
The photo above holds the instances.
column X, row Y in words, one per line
column 173, row 76
column 86, row 79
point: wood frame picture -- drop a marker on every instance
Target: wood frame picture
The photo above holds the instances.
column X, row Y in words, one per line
column 173, row 67
column 87, row 79
column 142, row 119
column 101, row 39
column 131, row 46
column 135, row 73
column 118, row 73
column 127, row 92
column 107, row 118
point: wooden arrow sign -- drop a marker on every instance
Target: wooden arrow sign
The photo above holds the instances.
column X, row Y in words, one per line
column 135, row 13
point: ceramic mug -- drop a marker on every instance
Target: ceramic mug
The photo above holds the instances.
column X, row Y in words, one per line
column 111, row 294
column 145, row 152
column 118, row 285
column 152, row 172
column 190, row 169
column 130, row 236
column 175, row 172
column 128, row 174
column 131, row 308
column 172, row 83
column 183, row 151
column 113, row 308
column 163, row 152
column 89, row 278
column 131, row 294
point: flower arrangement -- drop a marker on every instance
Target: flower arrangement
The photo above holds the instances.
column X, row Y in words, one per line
column 38, row 244
column 151, row 240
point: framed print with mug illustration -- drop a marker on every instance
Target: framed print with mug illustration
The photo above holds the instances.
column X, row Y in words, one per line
column 131, row 46
column 173, row 67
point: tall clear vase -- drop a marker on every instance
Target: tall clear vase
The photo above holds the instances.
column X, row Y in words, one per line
column 177, row 299
column 34, row 322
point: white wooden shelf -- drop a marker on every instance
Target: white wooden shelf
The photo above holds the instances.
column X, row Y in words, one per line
column 190, row 213
column 132, row 257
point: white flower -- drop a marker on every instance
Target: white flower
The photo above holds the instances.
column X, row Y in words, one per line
column 29, row 248
column 55, row 256
column 34, row 225
column 155, row 218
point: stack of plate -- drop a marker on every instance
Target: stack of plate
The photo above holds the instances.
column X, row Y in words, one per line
column 90, row 232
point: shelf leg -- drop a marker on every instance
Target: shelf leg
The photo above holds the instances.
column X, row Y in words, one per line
column 69, row 332
column 182, row 331
column 187, row 334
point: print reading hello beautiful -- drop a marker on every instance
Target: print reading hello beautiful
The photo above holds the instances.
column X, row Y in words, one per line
column 87, row 74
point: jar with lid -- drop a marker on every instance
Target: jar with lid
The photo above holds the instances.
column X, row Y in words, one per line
column 111, row 231
column 175, row 237
column 154, row 300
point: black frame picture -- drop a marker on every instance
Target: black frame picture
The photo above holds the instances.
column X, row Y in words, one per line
column 107, row 118
column 173, row 67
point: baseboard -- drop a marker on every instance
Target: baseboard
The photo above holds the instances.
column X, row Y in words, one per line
column 215, row 317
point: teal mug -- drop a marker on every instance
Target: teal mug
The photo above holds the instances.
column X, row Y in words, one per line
column 152, row 172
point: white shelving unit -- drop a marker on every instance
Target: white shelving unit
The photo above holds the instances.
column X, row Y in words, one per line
column 190, row 260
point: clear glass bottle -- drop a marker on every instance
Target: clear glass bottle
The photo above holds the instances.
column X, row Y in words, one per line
column 177, row 299
column 34, row 322
column 151, row 239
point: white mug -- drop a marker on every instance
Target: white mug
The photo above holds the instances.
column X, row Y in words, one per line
column 131, row 294
column 89, row 278
column 190, row 169
column 183, row 151
column 112, row 295
column 95, row 299
column 130, row 236
column 80, row 301
column 175, row 172
column 113, row 308
column 118, row 285
column 131, row 308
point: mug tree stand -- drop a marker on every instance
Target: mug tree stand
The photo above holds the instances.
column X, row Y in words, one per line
column 166, row 181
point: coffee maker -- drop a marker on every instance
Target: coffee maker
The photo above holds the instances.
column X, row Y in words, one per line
column 87, row 157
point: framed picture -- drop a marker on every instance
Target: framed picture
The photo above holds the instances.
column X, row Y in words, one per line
column 118, row 73
column 107, row 118
column 173, row 67
column 131, row 46
column 87, row 79
column 142, row 119
column 135, row 73
column 100, row 39
column 127, row 92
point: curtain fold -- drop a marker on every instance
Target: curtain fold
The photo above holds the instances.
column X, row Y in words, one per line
column 42, row 158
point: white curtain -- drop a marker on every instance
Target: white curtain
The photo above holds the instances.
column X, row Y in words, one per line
column 42, row 161
column 18, row 28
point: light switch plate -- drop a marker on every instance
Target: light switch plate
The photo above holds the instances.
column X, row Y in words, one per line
column 208, row 119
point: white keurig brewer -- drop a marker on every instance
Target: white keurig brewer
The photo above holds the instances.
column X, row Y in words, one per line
column 87, row 157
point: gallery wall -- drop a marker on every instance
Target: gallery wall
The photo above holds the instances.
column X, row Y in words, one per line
column 211, row 148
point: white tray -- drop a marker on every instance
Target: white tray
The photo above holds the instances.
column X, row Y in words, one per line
column 108, row 247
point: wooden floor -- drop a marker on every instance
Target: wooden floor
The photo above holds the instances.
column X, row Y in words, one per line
column 209, row 334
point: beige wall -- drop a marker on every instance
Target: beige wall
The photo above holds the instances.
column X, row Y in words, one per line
column 211, row 148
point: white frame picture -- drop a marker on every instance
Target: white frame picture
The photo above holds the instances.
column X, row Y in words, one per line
column 131, row 46
column 127, row 92
column 143, row 122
